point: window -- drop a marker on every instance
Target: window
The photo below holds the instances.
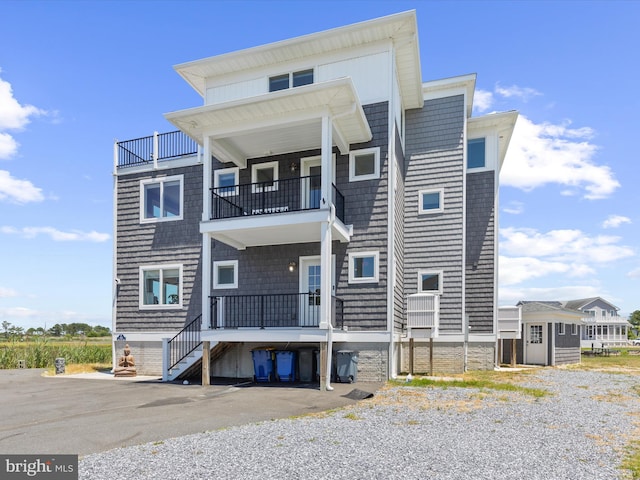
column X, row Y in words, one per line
column 574, row 329
column 264, row 177
column 161, row 199
column 430, row 201
column 364, row 164
column 225, row 181
column 476, row 153
column 225, row 274
column 430, row 281
column 160, row 286
column 561, row 329
column 297, row 79
column 363, row 267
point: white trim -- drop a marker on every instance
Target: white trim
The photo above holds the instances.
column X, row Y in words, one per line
column 161, row 268
column 223, row 171
column 225, row 263
column 440, row 209
column 376, row 269
column 160, row 181
column 562, row 329
column 440, row 275
column 254, row 174
column 352, row 164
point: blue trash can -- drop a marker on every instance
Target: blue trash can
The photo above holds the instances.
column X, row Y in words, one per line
column 263, row 365
column 286, row 365
column 346, row 362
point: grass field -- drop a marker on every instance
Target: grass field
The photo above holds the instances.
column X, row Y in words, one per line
column 42, row 352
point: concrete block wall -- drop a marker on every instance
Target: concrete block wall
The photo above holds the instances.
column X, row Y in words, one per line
column 448, row 358
column 148, row 356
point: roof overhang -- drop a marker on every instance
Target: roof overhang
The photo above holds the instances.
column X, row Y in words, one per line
column 446, row 87
column 278, row 122
column 400, row 28
column 503, row 123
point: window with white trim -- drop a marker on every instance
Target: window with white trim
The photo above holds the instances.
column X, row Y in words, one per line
column 161, row 199
column 561, row 329
column 363, row 267
column 295, row 79
column 364, row 164
column 574, row 329
column 225, row 274
column 225, row 181
column 161, row 286
column 476, row 156
column 431, row 201
column 264, row 177
column 430, row 281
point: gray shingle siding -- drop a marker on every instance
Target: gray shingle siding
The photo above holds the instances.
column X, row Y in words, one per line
column 434, row 153
column 480, row 254
column 398, row 294
column 172, row 242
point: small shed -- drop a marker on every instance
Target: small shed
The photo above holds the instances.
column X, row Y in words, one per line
column 550, row 335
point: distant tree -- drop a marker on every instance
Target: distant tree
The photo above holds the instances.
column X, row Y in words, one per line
column 15, row 331
column 57, row 330
column 5, row 327
column 634, row 319
column 99, row 331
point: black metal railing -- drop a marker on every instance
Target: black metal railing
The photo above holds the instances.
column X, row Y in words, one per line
column 284, row 310
column 139, row 151
column 185, row 342
column 288, row 195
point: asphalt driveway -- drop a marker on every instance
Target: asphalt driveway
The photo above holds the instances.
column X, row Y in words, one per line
column 94, row 413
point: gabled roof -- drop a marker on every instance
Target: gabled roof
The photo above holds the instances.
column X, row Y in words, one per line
column 400, row 28
column 549, row 308
column 584, row 302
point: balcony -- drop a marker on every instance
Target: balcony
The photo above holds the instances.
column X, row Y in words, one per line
column 287, row 310
column 155, row 148
column 279, row 196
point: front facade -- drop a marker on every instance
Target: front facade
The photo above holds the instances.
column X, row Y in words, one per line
column 322, row 198
column 602, row 325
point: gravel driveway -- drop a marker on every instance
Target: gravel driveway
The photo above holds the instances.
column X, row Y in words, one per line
column 577, row 432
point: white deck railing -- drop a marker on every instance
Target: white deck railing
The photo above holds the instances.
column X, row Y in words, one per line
column 509, row 322
column 423, row 311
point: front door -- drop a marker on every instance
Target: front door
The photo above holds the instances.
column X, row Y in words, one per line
column 311, row 181
column 536, row 344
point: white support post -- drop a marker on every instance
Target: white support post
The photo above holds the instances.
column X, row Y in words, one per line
column 155, row 150
column 206, row 241
column 166, row 355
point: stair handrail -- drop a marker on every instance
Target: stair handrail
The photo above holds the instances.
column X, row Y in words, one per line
column 185, row 341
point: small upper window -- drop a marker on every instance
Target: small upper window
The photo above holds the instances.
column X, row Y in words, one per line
column 430, row 201
column 364, row 164
column 161, row 199
column 264, row 177
column 429, row 281
column 225, row 181
column 363, row 267
column 225, row 274
column 295, row 79
column 476, row 153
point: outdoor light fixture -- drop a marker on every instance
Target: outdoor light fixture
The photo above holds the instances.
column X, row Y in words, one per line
column 292, row 266
column 293, row 167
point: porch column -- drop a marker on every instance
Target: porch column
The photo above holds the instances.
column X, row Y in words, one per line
column 206, row 241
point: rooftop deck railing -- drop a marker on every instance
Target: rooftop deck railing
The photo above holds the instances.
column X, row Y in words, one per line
column 278, row 196
column 158, row 147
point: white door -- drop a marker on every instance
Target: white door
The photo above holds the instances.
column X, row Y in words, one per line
column 536, row 344
column 311, row 185
column 310, row 290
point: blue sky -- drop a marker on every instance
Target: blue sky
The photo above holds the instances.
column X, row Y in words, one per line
column 76, row 75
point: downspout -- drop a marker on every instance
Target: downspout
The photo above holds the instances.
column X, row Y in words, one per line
column 115, row 281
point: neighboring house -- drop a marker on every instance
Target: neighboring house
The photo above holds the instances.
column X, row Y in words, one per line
column 602, row 326
column 550, row 335
column 322, row 198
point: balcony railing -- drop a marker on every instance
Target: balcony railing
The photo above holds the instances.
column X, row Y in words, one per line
column 165, row 146
column 288, row 195
column 285, row 310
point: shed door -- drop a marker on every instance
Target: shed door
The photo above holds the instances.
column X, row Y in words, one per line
column 536, row 344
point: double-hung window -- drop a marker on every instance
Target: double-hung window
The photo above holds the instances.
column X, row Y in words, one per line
column 430, row 281
column 364, row 164
column 161, row 199
column 264, row 177
column 363, row 267
column 225, row 274
column 225, row 181
column 161, row 286
column 431, row 201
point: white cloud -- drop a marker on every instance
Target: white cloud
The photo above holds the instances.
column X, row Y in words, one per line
column 572, row 246
column 614, row 221
column 18, row 191
column 523, row 93
column 514, row 208
column 482, row 100
column 13, row 115
column 7, row 292
column 541, row 154
column 517, row 270
column 634, row 273
column 57, row 235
